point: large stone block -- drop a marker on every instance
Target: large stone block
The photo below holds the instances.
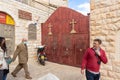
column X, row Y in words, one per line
column 102, row 16
column 114, row 8
column 110, row 49
column 115, row 75
column 107, row 78
column 116, row 21
column 111, row 32
column 110, row 38
column 93, row 23
column 111, row 15
column 112, row 43
column 102, row 38
column 104, row 3
column 107, row 21
column 99, row 22
column 116, row 68
column 112, row 56
column 106, row 67
column 92, row 6
column 103, row 73
column 104, row 32
column 104, row 10
column 117, row 1
column 116, row 63
column 117, row 25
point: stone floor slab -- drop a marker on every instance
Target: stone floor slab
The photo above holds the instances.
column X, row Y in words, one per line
column 36, row 70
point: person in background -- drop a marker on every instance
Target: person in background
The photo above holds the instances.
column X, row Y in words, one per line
column 22, row 53
column 4, row 68
column 92, row 60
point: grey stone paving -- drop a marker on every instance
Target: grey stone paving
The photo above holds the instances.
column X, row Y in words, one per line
column 36, row 70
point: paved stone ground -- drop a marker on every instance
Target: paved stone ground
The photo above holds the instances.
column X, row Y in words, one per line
column 36, row 70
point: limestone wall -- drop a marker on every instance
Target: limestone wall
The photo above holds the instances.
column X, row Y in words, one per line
column 54, row 2
column 105, row 24
column 44, row 5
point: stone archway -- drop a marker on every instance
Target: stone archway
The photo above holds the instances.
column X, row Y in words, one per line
column 7, row 30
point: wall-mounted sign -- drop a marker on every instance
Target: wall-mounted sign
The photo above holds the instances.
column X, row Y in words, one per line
column 2, row 18
column 32, row 32
column 9, row 20
column 6, row 19
column 24, row 15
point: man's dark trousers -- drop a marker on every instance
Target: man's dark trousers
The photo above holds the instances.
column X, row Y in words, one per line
column 92, row 76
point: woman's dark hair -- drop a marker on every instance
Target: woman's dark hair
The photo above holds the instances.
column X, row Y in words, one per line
column 98, row 40
column 1, row 39
column 3, row 46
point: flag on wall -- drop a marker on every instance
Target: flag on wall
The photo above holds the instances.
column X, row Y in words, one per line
column 2, row 18
column 6, row 19
column 9, row 20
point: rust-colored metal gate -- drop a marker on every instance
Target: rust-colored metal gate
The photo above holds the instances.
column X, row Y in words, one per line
column 66, row 35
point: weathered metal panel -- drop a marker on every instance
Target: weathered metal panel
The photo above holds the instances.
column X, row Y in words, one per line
column 67, row 37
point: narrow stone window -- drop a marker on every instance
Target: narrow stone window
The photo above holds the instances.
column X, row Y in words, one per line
column 32, row 32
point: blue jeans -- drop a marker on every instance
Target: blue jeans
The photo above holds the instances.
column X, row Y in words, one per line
column 92, row 76
column 4, row 76
column 5, row 71
column 1, row 74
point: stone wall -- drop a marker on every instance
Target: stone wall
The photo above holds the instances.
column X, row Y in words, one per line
column 48, row 5
column 105, row 24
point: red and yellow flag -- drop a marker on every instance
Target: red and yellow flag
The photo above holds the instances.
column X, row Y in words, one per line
column 6, row 19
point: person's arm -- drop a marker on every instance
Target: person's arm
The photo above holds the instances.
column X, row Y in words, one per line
column 17, row 51
column 84, row 61
column 103, row 57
